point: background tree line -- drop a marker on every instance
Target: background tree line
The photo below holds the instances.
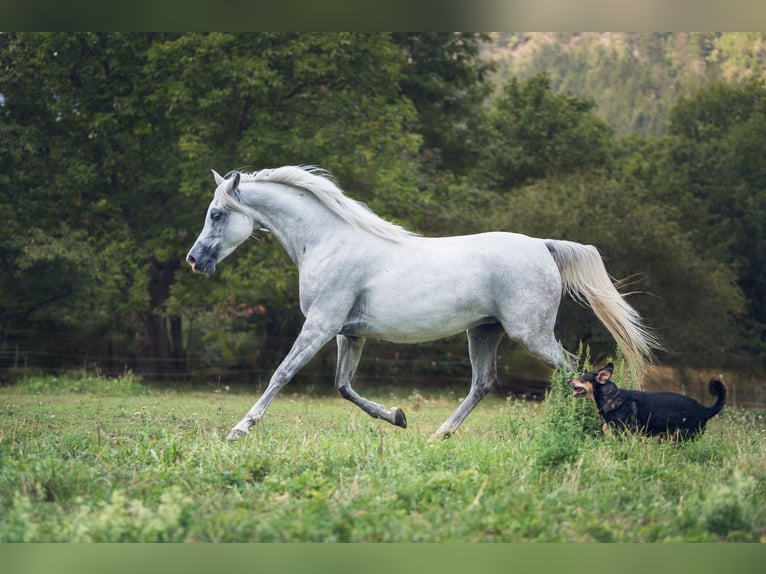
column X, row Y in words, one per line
column 634, row 78
column 106, row 142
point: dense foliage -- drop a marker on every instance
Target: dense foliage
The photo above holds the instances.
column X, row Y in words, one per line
column 106, row 141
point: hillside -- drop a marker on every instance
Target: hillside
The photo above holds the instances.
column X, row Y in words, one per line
column 634, row 78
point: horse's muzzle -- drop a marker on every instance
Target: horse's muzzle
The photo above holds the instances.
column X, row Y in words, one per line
column 200, row 266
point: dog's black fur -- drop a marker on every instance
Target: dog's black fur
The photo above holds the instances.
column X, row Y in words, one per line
column 663, row 413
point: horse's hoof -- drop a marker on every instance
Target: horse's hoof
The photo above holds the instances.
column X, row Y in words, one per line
column 234, row 435
column 237, row 433
column 399, row 419
column 439, row 436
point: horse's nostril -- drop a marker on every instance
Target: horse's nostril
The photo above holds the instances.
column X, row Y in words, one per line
column 191, row 260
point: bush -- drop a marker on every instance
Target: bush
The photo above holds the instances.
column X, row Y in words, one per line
column 568, row 421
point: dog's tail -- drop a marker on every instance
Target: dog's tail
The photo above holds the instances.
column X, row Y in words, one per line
column 718, row 390
column 586, row 280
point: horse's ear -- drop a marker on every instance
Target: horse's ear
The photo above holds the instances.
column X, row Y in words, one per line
column 234, row 185
column 217, row 177
column 231, row 185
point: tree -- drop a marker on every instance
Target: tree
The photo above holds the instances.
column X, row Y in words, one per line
column 446, row 79
column 63, row 151
column 532, row 134
column 715, row 169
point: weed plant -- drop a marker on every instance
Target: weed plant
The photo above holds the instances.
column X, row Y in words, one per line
column 567, row 421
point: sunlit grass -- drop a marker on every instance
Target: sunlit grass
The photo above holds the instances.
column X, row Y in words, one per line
column 117, row 461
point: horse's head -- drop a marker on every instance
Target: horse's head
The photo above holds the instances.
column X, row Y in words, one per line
column 225, row 227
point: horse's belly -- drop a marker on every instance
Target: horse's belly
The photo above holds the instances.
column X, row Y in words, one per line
column 410, row 332
column 412, row 317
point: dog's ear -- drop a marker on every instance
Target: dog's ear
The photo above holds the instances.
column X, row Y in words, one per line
column 605, row 374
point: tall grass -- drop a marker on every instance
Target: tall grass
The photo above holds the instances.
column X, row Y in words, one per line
column 111, row 461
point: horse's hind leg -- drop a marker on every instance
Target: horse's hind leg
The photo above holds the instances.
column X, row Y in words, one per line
column 545, row 347
column 482, row 349
column 349, row 353
column 532, row 328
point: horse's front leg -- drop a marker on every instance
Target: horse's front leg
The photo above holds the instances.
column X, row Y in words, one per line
column 349, row 353
column 310, row 340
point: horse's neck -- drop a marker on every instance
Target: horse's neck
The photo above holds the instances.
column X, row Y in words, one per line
column 295, row 216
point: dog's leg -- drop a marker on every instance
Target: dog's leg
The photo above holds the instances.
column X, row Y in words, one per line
column 633, row 421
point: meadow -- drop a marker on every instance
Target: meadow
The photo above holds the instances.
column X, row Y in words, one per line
column 90, row 459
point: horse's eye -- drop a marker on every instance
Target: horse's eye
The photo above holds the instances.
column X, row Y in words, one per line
column 216, row 214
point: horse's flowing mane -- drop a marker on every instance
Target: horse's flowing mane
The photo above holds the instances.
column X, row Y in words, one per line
column 321, row 184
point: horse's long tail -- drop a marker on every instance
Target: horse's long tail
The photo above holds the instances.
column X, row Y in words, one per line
column 586, row 280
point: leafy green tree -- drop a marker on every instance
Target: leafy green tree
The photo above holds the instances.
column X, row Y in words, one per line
column 446, row 79
column 715, row 169
column 533, row 133
column 269, row 99
column 62, row 153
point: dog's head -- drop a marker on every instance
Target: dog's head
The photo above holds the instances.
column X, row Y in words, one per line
column 583, row 385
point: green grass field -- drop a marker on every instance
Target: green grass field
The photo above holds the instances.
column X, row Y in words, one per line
column 92, row 459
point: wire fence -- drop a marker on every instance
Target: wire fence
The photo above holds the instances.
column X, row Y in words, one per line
column 442, row 364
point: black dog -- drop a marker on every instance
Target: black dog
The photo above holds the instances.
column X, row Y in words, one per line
column 679, row 416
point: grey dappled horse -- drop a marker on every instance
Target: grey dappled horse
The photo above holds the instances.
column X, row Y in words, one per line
column 361, row 276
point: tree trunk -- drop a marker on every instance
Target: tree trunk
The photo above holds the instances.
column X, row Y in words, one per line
column 162, row 351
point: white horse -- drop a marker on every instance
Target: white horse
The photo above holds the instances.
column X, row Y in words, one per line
column 361, row 276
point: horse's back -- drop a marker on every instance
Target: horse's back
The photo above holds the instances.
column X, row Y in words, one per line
column 506, row 260
column 496, row 246
column 472, row 259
